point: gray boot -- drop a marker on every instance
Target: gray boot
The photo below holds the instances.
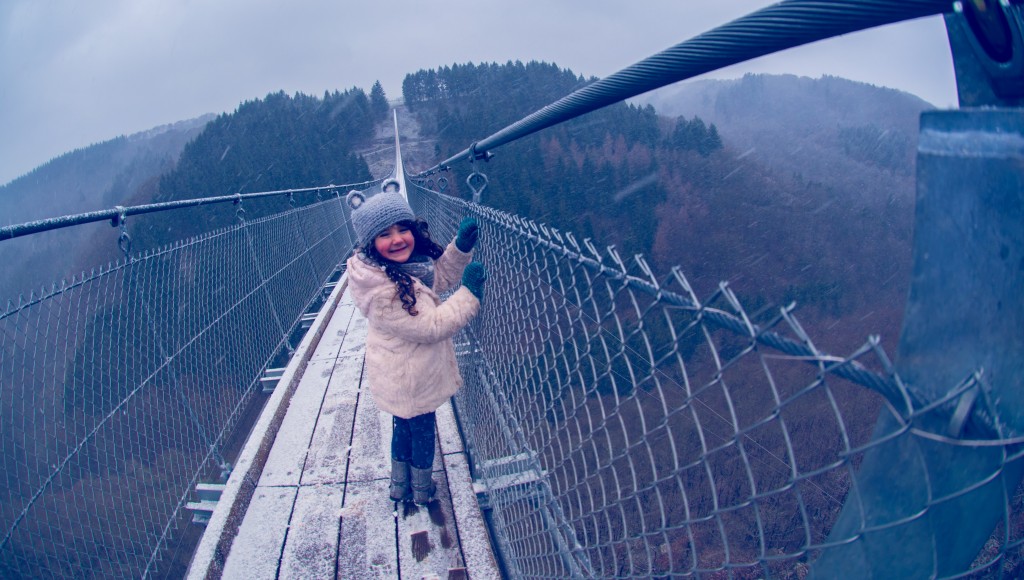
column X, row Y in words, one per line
column 423, row 487
column 399, row 481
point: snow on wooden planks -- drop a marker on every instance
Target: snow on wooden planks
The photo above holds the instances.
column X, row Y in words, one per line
column 322, row 509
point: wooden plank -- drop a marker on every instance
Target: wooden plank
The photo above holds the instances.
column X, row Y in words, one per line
column 337, row 328
column 474, row 538
column 284, row 464
column 428, row 544
column 367, row 545
column 227, row 518
column 448, row 430
column 256, row 551
column 370, row 456
column 311, row 548
column 355, row 338
column 332, row 439
column 474, row 535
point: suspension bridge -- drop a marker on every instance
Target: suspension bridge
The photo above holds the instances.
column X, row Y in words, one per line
column 613, row 422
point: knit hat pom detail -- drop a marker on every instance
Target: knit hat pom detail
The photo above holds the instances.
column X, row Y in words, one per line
column 390, row 185
column 355, row 198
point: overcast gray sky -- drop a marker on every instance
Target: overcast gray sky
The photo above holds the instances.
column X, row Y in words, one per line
column 74, row 73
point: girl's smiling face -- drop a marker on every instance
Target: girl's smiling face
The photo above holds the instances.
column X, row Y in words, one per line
column 395, row 243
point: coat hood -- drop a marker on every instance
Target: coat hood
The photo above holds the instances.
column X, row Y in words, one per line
column 368, row 282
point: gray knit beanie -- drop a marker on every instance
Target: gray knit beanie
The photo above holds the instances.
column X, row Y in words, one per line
column 372, row 216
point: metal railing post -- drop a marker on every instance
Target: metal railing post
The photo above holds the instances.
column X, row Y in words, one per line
column 962, row 328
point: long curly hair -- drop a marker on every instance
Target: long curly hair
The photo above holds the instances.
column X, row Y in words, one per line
column 424, row 245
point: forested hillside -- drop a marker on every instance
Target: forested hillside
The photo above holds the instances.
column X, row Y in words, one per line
column 277, row 142
column 680, row 192
column 88, row 179
column 588, row 176
column 96, row 176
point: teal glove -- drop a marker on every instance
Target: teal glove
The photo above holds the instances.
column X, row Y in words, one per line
column 473, row 279
column 468, row 232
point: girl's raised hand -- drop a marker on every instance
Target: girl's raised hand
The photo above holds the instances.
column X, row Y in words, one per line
column 473, row 279
column 468, row 233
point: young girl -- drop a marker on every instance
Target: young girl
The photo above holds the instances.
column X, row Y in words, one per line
column 395, row 276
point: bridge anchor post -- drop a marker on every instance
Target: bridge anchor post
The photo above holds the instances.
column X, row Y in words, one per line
column 925, row 500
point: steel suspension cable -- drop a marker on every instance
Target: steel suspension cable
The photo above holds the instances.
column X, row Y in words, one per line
column 119, row 213
column 772, row 29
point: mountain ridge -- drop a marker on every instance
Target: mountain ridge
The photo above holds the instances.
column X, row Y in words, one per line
column 111, row 167
column 810, row 128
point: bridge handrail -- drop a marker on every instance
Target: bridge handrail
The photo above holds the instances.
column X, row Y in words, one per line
column 119, row 213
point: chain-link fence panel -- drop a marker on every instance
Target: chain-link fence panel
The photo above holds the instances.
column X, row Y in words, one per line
column 122, row 390
column 621, row 426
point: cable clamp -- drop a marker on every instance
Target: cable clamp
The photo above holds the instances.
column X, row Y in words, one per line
column 119, row 218
column 124, row 241
column 240, row 212
column 474, row 156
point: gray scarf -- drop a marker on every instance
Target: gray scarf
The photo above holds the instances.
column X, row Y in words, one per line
column 418, row 266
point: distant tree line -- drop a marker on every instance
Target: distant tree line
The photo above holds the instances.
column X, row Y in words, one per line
column 582, row 176
column 278, row 142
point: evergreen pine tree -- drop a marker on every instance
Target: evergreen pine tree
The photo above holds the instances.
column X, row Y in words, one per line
column 378, row 101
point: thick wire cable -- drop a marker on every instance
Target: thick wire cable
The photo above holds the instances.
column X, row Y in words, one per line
column 772, row 29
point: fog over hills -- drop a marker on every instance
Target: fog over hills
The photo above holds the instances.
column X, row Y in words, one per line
column 817, row 129
column 97, row 177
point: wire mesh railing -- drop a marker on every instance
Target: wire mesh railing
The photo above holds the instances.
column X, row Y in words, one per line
column 123, row 389
column 623, row 427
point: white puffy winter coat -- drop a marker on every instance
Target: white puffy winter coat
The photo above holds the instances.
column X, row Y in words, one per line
column 410, row 360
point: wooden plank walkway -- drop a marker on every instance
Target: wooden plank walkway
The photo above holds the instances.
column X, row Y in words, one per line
column 320, row 507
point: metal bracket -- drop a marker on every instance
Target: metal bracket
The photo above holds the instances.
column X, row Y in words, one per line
column 124, row 241
column 240, row 212
column 474, row 155
column 963, row 411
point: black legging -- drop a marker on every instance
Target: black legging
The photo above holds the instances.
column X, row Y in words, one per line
column 413, row 440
